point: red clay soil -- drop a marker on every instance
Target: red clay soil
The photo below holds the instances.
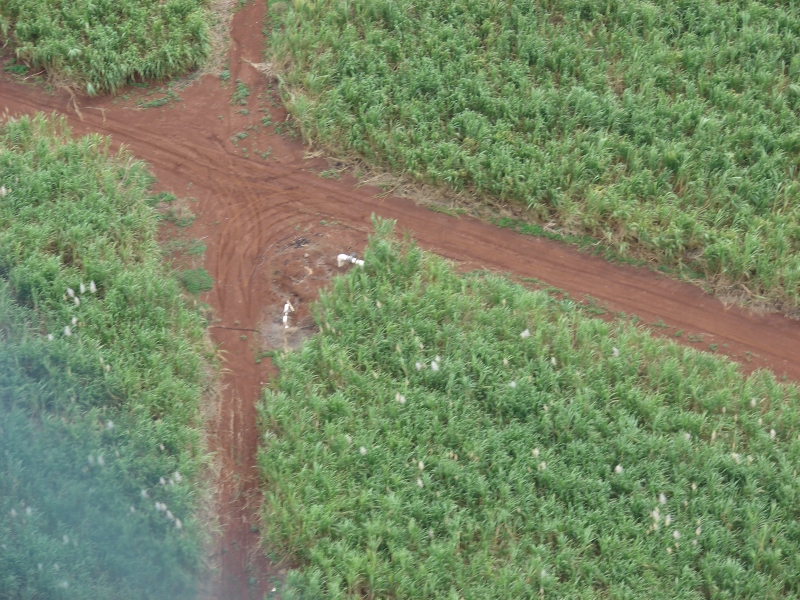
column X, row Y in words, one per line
column 273, row 226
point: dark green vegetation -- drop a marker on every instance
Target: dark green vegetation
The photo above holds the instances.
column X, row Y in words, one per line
column 668, row 129
column 101, row 371
column 196, row 280
column 449, row 436
column 104, row 44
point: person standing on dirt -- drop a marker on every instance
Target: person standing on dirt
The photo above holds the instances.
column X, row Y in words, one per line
column 286, row 309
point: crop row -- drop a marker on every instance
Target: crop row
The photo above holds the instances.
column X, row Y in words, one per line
column 449, row 436
column 101, row 371
column 105, row 44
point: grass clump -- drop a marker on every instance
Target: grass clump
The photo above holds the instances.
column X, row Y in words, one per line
column 458, row 436
column 101, row 370
column 103, row 45
column 196, row 280
column 241, row 93
column 668, row 130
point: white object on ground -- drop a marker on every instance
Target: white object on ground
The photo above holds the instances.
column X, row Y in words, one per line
column 343, row 258
column 286, row 309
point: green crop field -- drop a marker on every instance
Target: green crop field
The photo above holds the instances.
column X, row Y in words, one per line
column 668, row 129
column 104, row 44
column 458, row 436
column 102, row 366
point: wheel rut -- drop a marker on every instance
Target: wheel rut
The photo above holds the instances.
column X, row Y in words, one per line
column 272, row 227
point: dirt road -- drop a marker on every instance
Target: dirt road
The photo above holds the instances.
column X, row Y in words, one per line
column 272, row 226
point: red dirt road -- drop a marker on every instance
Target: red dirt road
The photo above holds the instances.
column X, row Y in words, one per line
column 273, row 226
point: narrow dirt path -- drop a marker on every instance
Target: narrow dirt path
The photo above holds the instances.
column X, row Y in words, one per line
column 272, row 227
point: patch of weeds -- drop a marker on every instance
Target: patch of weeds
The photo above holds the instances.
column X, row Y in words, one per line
column 196, row 280
column 453, row 212
column 16, row 69
column 286, row 128
column 712, row 347
column 679, row 333
column 225, row 76
column 266, row 121
column 163, row 101
column 330, row 174
column 243, row 111
column 660, row 324
column 196, row 248
column 240, row 94
column 695, row 339
column 265, row 155
column 161, row 198
column 241, row 135
column 178, row 215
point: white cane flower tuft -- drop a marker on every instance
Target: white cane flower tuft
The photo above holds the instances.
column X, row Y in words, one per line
column 618, row 469
column 525, row 334
column 363, row 451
